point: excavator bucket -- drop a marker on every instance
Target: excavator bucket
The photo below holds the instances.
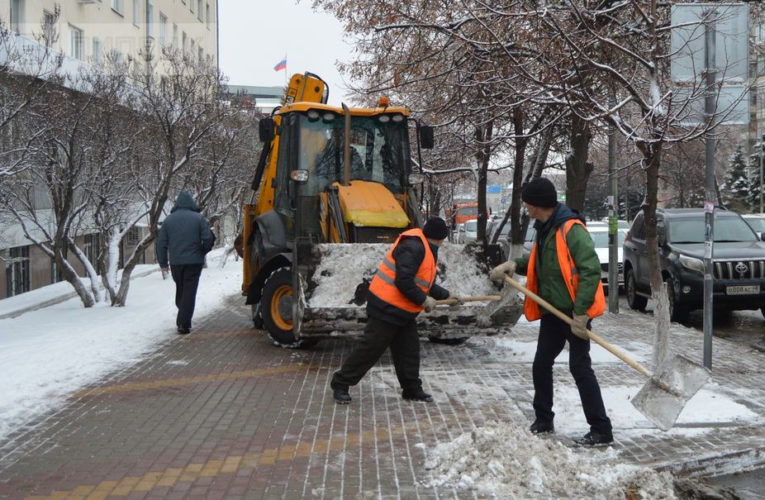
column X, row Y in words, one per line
column 331, row 297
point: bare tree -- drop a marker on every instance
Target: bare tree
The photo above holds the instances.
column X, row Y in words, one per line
column 179, row 99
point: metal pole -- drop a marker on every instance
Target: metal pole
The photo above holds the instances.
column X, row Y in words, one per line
column 709, row 184
column 613, row 216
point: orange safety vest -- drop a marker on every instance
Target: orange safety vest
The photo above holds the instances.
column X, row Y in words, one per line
column 569, row 272
column 384, row 282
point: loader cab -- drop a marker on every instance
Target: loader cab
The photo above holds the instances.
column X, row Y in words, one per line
column 311, row 159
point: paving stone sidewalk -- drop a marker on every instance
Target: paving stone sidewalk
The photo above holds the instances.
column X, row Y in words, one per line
column 222, row 413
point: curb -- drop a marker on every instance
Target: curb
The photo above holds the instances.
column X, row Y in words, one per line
column 718, row 465
column 61, row 298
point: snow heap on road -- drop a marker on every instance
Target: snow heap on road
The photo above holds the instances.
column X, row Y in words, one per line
column 343, row 267
column 505, row 461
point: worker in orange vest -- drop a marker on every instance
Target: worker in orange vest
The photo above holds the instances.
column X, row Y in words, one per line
column 403, row 286
column 563, row 269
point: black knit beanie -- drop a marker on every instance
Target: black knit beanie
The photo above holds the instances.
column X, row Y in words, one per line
column 435, row 229
column 540, row 192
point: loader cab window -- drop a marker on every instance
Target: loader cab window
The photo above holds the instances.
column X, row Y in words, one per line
column 378, row 150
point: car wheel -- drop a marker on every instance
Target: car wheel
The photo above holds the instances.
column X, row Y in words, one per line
column 677, row 313
column 635, row 301
column 277, row 310
column 762, row 310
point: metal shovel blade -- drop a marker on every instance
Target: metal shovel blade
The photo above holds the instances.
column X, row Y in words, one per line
column 665, row 394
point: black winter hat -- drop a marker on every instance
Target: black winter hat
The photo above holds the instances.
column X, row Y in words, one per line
column 540, row 192
column 435, row 229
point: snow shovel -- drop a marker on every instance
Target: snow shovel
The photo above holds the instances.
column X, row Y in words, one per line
column 475, row 298
column 663, row 397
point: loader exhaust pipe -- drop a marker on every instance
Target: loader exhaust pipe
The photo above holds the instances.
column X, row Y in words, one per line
column 347, row 147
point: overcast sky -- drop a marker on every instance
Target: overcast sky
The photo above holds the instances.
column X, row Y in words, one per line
column 256, row 34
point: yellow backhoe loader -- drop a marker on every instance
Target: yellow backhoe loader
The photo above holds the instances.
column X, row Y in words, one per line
column 333, row 189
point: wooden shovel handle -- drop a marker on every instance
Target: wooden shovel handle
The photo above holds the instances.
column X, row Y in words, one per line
column 613, row 350
column 476, row 298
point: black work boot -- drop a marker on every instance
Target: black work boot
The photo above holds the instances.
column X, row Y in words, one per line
column 594, row 438
column 417, row 395
column 542, row 427
column 340, row 393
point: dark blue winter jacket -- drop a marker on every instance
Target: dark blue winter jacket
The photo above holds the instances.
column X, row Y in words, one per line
column 185, row 234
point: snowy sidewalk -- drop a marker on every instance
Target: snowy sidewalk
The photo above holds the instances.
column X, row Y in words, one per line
column 111, row 402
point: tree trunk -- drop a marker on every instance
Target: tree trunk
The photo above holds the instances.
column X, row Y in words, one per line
column 578, row 169
column 516, row 231
column 658, row 290
column 483, row 135
column 121, row 297
column 71, row 277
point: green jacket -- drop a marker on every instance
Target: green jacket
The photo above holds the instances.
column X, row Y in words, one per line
column 551, row 286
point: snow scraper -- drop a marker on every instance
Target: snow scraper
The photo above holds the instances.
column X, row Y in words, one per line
column 668, row 389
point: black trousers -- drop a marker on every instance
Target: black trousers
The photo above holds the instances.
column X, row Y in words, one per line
column 404, row 343
column 553, row 334
column 186, row 277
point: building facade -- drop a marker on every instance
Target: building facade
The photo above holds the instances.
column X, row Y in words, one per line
column 89, row 30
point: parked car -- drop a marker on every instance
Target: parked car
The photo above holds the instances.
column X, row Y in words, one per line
column 503, row 239
column 458, row 230
column 739, row 262
column 470, row 232
column 757, row 222
column 599, row 235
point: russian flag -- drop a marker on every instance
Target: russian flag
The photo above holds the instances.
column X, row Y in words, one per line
column 281, row 65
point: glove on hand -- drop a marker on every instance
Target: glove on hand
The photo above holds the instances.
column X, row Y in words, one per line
column 457, row 300
column 505, row 269
column 429, row 304
column 579, row 326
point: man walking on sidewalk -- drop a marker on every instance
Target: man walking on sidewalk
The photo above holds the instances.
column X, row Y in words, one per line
column 185, row 235
column 403, row 286
column 563, row 269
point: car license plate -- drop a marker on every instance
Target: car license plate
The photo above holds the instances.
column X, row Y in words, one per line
column 742, row 290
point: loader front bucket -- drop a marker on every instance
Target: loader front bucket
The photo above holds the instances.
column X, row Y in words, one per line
column 332, row 294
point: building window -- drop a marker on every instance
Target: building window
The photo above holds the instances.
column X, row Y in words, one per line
column 185, row 43
column 137, row 12
column 117, row 6
column 191, row 5
column 116, row 56
column 75, row 42
column 133, row 236
column 199, row 11
column 162, row 29
column 208, row 16
column 49, row 27
column 201, row 55
column 17, row 271
column 175, row 36
column 97, row 51
column 17, row 15
column 149, row 18
column 90, row 248
column 55, row 272
column 193, row 49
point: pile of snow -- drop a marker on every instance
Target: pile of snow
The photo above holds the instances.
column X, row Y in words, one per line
column 343, row 267
column 504, row 461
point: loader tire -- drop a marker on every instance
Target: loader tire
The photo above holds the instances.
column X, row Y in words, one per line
column 257, row 317
column 276, row 310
